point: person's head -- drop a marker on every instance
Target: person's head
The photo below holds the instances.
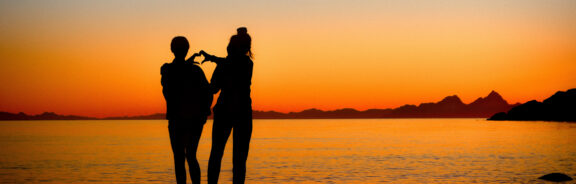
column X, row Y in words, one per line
column 241, row 43
column 179, row 46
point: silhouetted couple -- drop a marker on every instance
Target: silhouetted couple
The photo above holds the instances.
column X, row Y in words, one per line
column 189, row 97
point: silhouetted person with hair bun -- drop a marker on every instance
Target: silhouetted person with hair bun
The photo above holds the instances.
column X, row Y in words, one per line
column 233, row 110
column 188, row 101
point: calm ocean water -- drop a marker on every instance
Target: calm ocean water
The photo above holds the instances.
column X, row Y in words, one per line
column 295, row 151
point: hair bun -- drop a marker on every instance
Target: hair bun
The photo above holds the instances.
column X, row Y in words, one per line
column 242, row 31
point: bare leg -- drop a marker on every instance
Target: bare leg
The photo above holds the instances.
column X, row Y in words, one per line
column 220, row 133
column 178, row 150
column 241, row 137
column 191, row 148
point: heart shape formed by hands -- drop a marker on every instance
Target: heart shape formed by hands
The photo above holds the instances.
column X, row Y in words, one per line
column 193, row 58
column 206, row 57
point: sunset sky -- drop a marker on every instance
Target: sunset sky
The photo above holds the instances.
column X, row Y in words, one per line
column 102, row 58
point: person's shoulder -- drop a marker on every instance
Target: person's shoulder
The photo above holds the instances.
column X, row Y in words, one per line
column 165, row 67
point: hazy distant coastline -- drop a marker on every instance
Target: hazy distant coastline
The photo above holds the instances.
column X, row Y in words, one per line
column 449, row 107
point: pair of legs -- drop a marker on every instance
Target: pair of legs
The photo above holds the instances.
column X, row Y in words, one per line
column 184, row 138
column 223, row 126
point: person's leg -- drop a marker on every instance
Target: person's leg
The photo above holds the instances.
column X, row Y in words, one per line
column 241, row 137
column 177, row 142
column 220, row 133
column 191, row 148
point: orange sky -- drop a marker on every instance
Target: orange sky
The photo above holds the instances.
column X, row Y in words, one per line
column 102, row 58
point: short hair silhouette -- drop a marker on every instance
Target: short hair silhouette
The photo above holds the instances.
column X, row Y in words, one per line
column 180, row 46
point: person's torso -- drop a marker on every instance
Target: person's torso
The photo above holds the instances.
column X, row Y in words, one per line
column 236, row 77
column 184, row 90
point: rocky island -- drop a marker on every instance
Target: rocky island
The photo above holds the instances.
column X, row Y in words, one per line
column 559, row 107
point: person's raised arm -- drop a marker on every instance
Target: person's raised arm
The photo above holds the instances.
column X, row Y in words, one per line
column 208, row 57
column 191, row 59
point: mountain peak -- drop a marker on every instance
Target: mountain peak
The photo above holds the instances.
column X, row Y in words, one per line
column 494, row 95
column 454, row 99
column 493, row 98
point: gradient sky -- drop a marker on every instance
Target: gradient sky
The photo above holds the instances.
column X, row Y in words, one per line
column 102, row 58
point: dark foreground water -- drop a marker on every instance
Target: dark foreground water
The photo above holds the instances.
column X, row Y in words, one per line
column 295, row 151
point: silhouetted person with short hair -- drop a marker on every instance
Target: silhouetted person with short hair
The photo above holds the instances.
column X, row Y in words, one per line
column 233, row 110
column 188, row 101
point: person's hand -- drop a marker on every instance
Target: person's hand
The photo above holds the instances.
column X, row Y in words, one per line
column 202, row 52
column 191, row 59
column 207, row 57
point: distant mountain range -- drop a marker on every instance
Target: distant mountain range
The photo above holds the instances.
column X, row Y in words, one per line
column 558, row 107
column 449, row 107
column 43, row 116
